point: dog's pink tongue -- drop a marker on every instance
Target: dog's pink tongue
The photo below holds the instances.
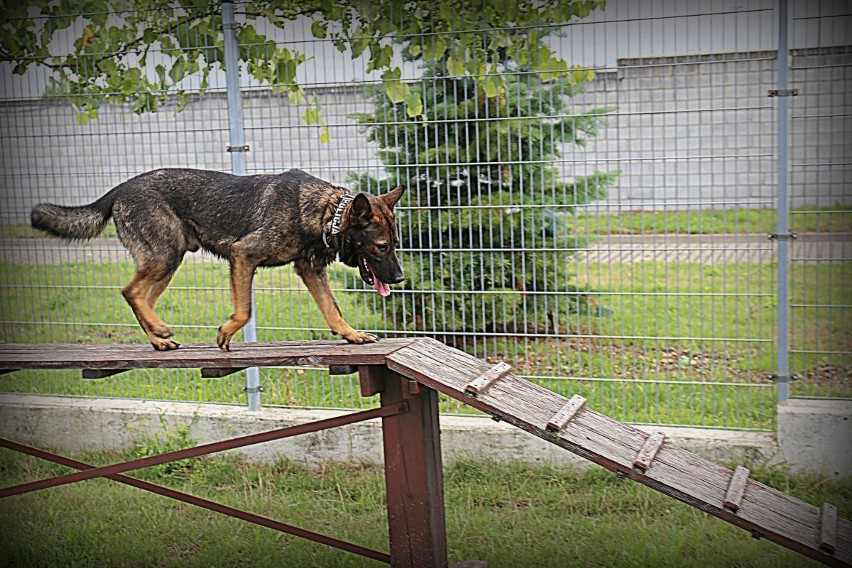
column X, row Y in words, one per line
column 382, row 288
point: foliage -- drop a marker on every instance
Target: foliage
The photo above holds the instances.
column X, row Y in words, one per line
column 171, row 439
column 141, row 52
column 486, row 199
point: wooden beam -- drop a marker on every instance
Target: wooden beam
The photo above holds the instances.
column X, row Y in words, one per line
column 414, row 477
column 216, row 373
column 371, row 379
column 101, row 373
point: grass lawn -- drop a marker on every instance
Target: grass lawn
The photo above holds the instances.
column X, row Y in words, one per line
column 711, row 221
column 667, row 343
column 509, row 515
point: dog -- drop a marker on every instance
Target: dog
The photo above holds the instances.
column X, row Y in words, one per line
column 250, row 221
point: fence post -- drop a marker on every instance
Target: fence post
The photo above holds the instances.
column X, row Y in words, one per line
column 783, row 226
column 237, row 148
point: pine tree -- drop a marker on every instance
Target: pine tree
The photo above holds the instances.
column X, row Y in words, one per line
column 485, row 245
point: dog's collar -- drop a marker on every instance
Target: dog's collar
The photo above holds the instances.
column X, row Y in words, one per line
column 337, row 218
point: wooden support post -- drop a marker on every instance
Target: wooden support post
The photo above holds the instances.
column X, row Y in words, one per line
column 372, row 379
column 413, row 476
column 101, row 373
column 216, row 373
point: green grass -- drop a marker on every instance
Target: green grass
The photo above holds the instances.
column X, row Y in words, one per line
column 688, row 343
column 510, row 515
column 712, row 221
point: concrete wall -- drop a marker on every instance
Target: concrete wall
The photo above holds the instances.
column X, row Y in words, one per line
column 812, row 436
column 688, row 131
column 816, row 435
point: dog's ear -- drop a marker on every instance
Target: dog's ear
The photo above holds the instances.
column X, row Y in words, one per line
column 360, row 212
column 393, row 196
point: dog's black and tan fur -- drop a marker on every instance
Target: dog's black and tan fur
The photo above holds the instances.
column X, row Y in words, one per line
column 251, row 221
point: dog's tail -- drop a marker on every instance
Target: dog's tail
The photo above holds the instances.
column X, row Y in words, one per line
column 80, row 222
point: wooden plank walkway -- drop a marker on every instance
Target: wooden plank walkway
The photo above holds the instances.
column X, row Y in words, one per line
column 816, row 532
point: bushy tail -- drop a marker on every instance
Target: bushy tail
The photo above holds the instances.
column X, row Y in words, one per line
column 81, row 222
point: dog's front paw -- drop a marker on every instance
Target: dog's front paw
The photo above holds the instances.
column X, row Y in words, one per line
column 359, row 337
column 223, row 339
column 164, row 344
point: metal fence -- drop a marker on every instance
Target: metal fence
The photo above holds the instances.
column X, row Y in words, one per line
column 634, row 268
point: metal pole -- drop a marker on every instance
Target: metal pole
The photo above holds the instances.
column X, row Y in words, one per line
column 783, row 228
column 238, row 150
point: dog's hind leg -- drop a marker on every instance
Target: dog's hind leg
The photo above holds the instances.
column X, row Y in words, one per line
column 316, row 279
column 242, row 274
column 157, row 290
column 142, row 293
column 154, row 235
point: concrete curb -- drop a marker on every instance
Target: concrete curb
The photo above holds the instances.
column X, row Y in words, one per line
column 74, row 425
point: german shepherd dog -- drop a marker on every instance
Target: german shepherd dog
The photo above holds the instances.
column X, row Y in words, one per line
column 250, row 221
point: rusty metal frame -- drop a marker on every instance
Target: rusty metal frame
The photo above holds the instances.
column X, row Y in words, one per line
column 113, row 472
column 204, row 503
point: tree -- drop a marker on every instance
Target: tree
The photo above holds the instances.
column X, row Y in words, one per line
column 141, row 52
column 486, row 244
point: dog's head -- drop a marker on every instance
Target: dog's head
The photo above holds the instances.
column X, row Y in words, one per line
column 370, row 239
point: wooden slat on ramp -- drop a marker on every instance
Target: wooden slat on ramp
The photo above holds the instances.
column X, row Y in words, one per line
column 764, row 511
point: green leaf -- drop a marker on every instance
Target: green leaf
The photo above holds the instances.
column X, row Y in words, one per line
column 358, row 45
column 455, row 67
column 311, row 116
column 493, row 82
column 434, row 48
column 380, row 57
column 394, row 87
column 85, row 115
column 297, row 96
column 550, row 67
column 178, row 70
column 319, row 29
column 413, row 104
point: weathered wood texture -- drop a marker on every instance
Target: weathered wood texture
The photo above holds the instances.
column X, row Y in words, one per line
column 648, row 452
column 736, row 489
column 763, row 511
column 487, row 378
column 812, row 531
column 413, row 476
column 566, row 413
column 14, row 356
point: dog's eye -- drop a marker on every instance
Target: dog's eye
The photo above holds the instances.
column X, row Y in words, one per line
column 382, row 248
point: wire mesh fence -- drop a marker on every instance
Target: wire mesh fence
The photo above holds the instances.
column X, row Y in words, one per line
column 605, row 236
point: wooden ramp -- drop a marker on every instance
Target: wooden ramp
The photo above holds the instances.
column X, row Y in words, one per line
column 816, row 532
column 813, row 531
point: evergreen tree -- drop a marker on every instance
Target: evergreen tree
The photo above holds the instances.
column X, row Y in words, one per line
column 486, row 248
